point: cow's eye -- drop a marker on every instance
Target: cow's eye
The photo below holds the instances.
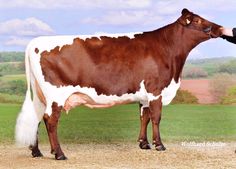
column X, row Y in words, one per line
column 197, row 21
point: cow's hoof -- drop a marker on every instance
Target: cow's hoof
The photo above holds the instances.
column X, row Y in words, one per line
column 160, row 147
column 53, row 152
column 37, row 154
column 144, row 145
column 61, row 157
column 35, row 151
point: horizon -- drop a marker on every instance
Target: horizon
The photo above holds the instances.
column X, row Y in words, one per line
column 22, row 21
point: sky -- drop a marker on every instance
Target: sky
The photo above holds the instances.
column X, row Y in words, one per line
column 23, row 20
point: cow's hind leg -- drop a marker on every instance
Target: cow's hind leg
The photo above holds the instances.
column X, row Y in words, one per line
column 144, row 120
column 51, row 123
column 40, row 109
column 35, row 149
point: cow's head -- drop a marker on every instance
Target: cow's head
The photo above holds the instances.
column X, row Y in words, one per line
column 204, row 27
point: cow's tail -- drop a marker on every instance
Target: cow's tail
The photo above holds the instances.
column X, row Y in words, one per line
column 27, row 121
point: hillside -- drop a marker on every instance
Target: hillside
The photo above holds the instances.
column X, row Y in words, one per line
column 11, row 57
column 11, row 63
column 209, row 66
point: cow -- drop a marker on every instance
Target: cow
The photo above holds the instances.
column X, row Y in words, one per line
column 102, row 71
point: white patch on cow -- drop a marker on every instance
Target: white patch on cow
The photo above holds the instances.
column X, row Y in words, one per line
column 116, row 35
column 50, row 42
column 168, row 94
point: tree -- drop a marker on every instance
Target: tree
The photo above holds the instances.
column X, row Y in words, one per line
column 185, row 97
column 230, row 97
column 220, row 83
column 194, row 72
column 229, row 67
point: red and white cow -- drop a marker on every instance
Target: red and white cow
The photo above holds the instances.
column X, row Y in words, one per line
column 102, row 71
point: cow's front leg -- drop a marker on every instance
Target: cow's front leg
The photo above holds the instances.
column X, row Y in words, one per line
column 51, row 123
column 155, row 111
column 144, row 120
column 35, row 149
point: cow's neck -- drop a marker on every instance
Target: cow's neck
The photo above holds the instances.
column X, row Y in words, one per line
column 182, row 40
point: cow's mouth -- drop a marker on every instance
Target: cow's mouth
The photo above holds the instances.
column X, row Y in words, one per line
column 214, row 35
column 211, row 33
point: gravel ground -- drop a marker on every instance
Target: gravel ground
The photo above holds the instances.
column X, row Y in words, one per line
column 123, row 156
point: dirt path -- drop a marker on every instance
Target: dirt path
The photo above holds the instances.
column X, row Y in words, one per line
column 199, row 88
column 122, row 156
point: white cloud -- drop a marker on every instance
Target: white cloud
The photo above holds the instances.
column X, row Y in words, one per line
column 160, row 12
column 64, row 4
column 120, row 18
column 27, row 27
column 17, row 32
column 174, row 6
column 165, row 6
column 16, row 41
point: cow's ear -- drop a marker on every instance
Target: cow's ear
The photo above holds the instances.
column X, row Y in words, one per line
column 185, row 11
column 186, row 20
column 186, row 17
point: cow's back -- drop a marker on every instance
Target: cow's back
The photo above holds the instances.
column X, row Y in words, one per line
column 113, row 66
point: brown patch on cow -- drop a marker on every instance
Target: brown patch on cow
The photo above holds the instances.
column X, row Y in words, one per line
column 40, row 93
column 36, row 50
column 115, row 66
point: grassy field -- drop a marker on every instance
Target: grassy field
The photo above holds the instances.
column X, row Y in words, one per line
column 121, row 124
column 7, row 78
column 210, row 65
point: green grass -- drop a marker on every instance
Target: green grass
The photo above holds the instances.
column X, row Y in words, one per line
column 12, row 86
column 121, row 124
column 8, row 113
column 210, row 65
column 8, row 98
column 7, row 78
column 11, row 68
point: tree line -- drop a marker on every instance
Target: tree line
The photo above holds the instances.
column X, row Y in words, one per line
column 11, row 56
column 209, row 68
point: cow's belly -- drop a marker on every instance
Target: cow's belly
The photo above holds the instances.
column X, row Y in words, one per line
column 70, row 96
column 103, row 101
